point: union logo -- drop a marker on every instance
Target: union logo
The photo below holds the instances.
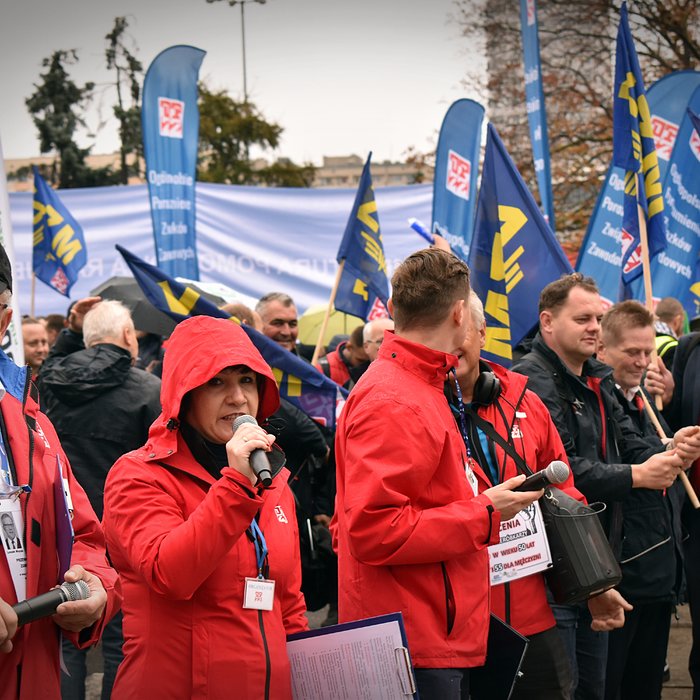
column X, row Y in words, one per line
column 171, row 114
column 665, row 133
column 458, row 171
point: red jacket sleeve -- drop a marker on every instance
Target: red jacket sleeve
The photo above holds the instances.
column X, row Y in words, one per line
column 174, row 555
column 387, row 472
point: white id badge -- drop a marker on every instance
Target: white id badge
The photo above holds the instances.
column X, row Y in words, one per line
column 11, row 534
column 259, row 594
column 471, row 478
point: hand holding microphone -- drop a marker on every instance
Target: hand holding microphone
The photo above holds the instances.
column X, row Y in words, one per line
column 246, row 450
column 557, row 472
column 45, row 604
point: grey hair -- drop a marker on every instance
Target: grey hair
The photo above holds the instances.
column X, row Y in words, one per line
column 283, row 299
column 105, row 320
column 477, row 309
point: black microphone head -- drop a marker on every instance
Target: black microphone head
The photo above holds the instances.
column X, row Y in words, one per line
column 241, row 420
column 557, row 472
column 76, row 591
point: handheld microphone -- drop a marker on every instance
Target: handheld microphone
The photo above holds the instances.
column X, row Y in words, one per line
column 259, row 462
column 556, row 473
column 45, row 604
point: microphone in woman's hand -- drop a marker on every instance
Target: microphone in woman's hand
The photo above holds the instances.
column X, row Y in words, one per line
column 259, row 462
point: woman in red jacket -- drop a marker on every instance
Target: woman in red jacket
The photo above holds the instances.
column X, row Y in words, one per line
column 197, row 543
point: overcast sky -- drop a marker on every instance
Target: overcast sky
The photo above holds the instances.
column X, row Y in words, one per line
column 341, row 76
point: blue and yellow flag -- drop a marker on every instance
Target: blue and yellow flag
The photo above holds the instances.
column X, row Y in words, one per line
column 363, row 283
column 59, row 246
column 634, row 151
column 513, row 255
column 299, row 383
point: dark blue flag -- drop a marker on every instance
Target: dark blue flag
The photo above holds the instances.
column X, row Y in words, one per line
column 513, row 255
column 634, row 151
column 363, row 289
column 59, row 251
column 695, row 120
column 298, row 381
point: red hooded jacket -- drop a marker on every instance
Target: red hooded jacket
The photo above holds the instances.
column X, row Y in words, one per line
column 411, row 536
column 177, row 537
column 31, row 670
column 523, row 603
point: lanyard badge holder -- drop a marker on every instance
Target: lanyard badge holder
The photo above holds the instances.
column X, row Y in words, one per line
column 12, row 522
column 259, row 592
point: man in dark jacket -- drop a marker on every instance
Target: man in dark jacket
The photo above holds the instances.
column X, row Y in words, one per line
column 684, row 409
column 608, row 455
column 102, row 407
column 651, row 558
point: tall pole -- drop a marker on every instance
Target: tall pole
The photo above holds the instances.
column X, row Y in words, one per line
column 245, row 79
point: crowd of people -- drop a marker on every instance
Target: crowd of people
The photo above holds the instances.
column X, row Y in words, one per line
column 198, row 571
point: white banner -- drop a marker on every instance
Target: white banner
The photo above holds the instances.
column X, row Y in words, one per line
column 254, row 239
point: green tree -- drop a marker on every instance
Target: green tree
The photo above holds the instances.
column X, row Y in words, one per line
column 577, row 46
column 227, row 131
column 128, row 70
column 57, row 106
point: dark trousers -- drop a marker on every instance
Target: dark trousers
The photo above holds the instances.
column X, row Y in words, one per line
column 546, row 672
column 587, row 650
column 73, row 686
column 691, row 547
column 637, row 652
column 442, row 683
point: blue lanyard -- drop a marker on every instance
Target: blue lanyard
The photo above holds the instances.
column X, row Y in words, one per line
column 462, row 416
column 260, row 546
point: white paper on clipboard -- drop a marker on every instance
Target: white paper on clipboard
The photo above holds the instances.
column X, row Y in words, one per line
column 355, row 660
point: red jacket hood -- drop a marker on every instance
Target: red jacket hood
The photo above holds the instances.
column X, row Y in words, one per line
column 198, row 349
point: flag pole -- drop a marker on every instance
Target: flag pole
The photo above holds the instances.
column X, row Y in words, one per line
column 692, row 496
column 646, row 272
column 31, row 306
column 331, row 301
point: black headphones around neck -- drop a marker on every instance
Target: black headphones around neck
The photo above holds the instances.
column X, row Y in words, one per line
column 487, row 387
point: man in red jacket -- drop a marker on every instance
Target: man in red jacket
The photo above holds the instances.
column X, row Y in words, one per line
column 30, row 458
column 500, row 398
column 411, row 527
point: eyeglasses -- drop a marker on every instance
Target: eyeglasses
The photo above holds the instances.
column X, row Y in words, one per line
column 376, row 342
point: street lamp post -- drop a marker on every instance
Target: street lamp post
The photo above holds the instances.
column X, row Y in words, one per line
column 243, row 3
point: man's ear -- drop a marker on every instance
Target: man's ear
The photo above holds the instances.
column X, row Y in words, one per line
column 482, row 336
column 600, row 352
column 459, row 308
column 545, row 321
column 5, row 320
column 390, row 307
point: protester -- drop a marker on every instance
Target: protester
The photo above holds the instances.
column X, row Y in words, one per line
column 101, row 407
column 54, row 324
column 608, row 456
column 279, row 318
column 29, row 460
column 189, row 530
column 244, row 314
column 373, row 336
column 339, row 362
column 500, row 398
column 670, row 316
column 651, row 557
column 36, row 343
column 411, row 530
column 684, row 409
